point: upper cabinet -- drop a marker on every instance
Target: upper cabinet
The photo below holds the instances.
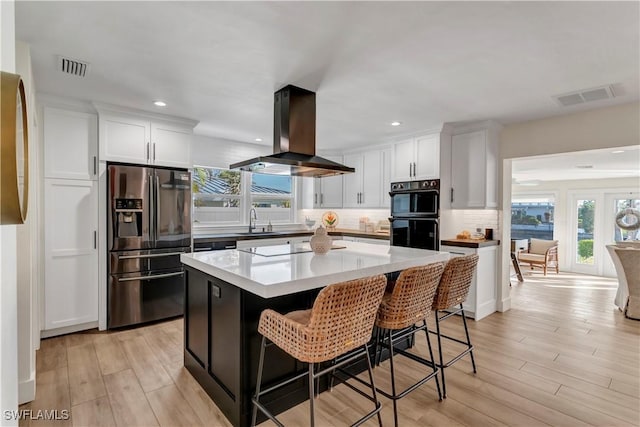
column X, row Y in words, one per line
column 474, row 169
column 417, row 158
column 68, row 132
column 327, row 191
column 364, row 188
column 145, row 140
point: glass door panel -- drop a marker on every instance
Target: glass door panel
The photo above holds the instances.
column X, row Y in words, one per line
column 620, row 204
column 585, row 210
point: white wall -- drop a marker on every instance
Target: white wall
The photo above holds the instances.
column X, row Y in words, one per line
column 609, row 127
column 8, row 289
column 28, row 246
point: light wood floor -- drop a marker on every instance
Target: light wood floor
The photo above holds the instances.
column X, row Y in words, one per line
column 562, row 356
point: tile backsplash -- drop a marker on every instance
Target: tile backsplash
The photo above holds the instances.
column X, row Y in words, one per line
column 347, row 218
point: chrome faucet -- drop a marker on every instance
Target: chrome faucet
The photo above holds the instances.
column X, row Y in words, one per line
column 253, row 217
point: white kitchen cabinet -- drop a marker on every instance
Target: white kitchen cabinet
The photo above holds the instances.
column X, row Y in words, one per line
column 363, row 189
column 71, row 254
column 328, row 191
column 70, row 144
column 142, row 141
column 417, row 158
column 474, row 170
column 482, row 298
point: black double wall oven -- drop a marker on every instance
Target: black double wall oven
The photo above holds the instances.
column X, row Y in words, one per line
column 415, row 211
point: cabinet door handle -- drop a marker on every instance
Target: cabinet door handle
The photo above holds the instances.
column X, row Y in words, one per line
column 452, row 195
column 95, row 239
column 147, row 151
column 457, row 253
column 95, row 165
column 321, row 199
column 154, row 151
column 410, row 170
column 414, row 169
column 315, row 199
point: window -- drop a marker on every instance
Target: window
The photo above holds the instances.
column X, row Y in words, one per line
column 271, row 196
column 532, row 217
column 220, row 196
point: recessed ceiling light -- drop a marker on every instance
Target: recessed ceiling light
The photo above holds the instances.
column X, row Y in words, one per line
column 159, row 103
column 617, row 152
column 396, row 123
column 258, row 139
column 584, row 166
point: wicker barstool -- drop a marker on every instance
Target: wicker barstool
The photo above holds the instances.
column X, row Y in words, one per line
column 336, row 329
column 452, row 292
column 404, row 312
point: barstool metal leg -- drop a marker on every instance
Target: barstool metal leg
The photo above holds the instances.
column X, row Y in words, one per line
column 444, row 385
column 433, row 361
column 311, row 395
column 393, row 380
column 373, row 385
column 258, row 381
column 466, row 331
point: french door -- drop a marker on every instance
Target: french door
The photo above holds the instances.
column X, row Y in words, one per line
column 586, row 250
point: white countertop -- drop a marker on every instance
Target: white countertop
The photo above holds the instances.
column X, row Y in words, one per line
column 272, row 276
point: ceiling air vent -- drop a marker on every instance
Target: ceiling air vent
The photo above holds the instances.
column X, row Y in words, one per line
column 586, row 95
column 73, row 66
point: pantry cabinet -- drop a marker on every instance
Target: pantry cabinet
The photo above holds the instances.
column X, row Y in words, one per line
column 482, row 298
column 140, row 140
column 474, row 170
column 417, row 158
column 71, row 253
column 70, row 144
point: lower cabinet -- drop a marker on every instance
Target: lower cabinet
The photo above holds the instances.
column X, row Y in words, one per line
column 71, row 254
column 482, row 299
column 222, row 346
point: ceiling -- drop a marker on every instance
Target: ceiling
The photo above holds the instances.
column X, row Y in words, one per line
column 607, row 163
column 371, row 63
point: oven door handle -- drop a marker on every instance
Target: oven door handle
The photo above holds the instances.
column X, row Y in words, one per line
column 157, row 276
column 149, row 255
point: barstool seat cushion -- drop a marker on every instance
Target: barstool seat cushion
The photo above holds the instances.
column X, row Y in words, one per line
column 301, row 316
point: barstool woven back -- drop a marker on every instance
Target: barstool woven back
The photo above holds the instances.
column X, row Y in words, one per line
column 411, row 298
column 455, row 282
column 341, row 320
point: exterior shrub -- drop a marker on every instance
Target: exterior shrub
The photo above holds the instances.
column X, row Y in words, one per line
column 585, row 248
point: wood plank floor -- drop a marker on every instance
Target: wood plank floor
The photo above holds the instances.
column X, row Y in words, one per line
column 562, row 356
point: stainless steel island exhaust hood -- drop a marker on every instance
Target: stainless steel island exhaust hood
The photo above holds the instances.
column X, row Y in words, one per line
column 294, row 139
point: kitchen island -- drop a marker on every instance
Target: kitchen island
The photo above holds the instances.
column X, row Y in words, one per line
column 227, row 290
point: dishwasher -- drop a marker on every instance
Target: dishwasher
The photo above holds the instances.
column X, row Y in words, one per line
column 200, row 246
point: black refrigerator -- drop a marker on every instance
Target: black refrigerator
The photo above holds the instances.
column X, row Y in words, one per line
column 149, row 226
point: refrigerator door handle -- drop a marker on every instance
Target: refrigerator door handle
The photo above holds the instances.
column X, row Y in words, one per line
column 152, row 225
column 156, row 207
column 150, row 255
column 155, row 276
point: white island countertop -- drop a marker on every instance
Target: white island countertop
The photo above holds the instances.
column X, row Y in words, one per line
column 277, row 275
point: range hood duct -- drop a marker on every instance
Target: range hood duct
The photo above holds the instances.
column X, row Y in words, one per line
column 294, row 139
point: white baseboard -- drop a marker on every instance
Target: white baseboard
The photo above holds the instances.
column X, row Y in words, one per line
column 27, row 390
column 68, row 329
column 504, row 305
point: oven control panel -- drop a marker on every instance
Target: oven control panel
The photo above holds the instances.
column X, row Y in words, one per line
column 429, row 184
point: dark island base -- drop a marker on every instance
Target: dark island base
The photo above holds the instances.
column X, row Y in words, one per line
column 222, row 347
